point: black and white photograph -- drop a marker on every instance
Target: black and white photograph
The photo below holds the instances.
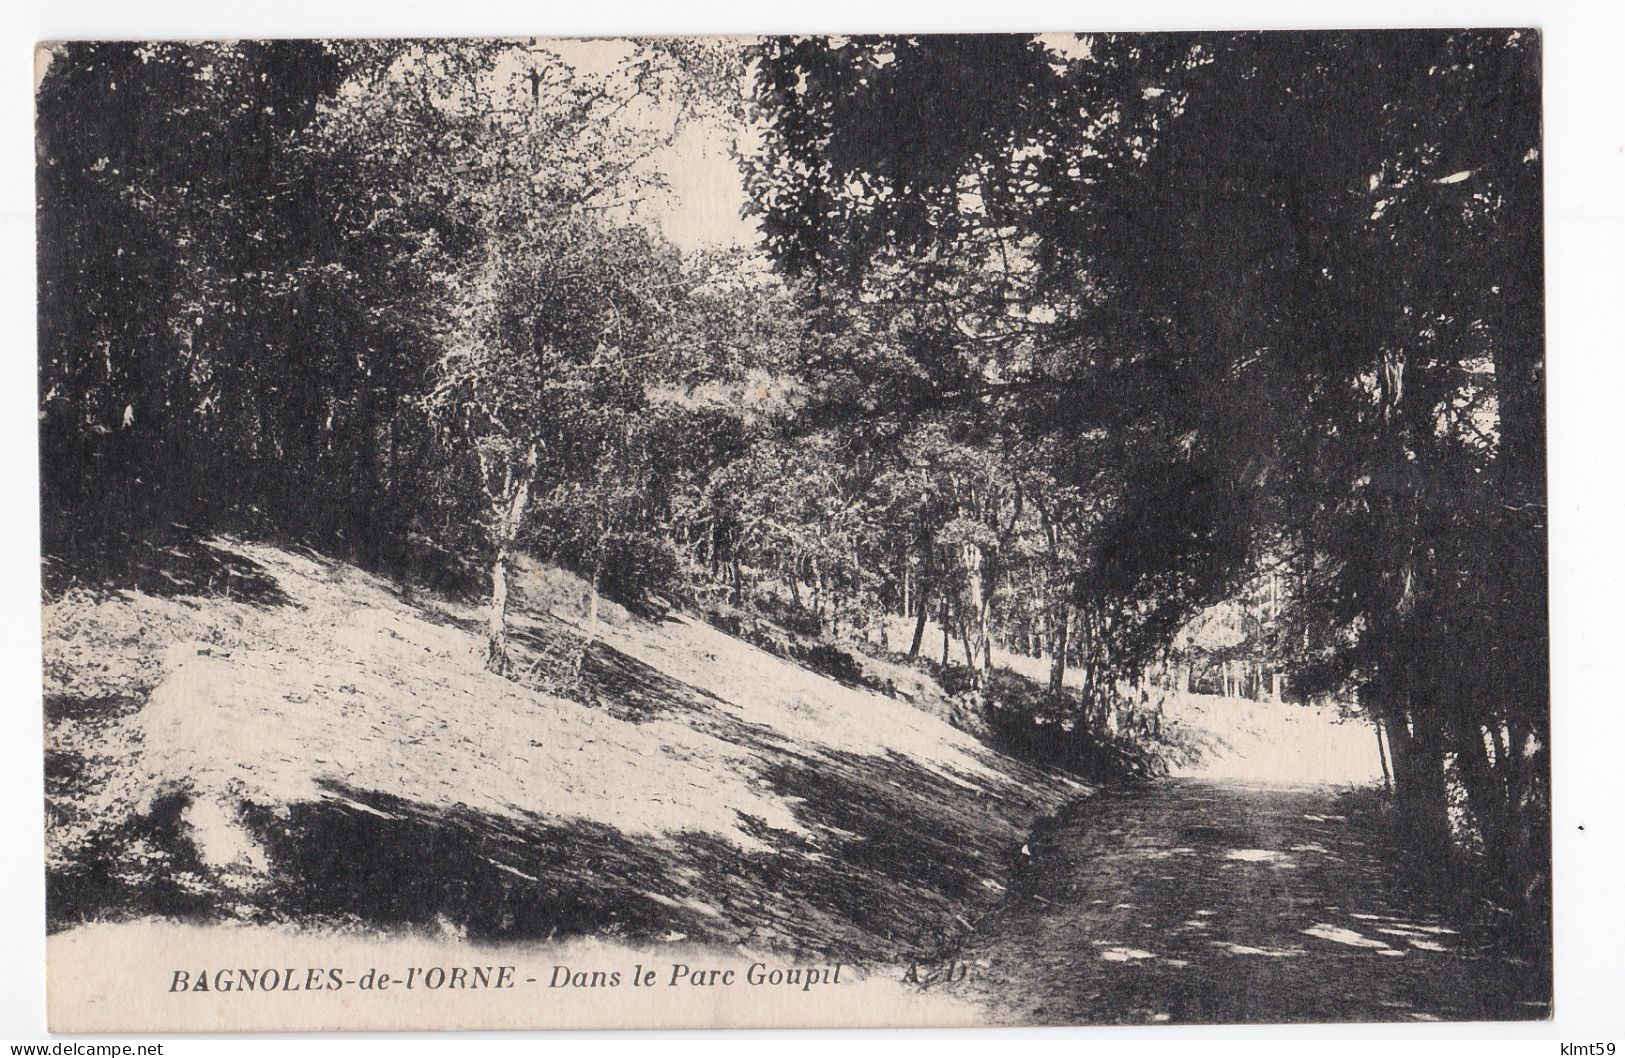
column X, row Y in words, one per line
column 938, row 530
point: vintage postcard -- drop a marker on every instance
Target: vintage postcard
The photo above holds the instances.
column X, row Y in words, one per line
column 934, row 530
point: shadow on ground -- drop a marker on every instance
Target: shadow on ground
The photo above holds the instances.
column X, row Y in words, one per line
column 168, row 565
column 1192, row 902
column 896, row 862
column 879, row 880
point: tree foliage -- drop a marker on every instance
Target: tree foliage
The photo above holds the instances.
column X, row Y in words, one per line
column 1264, row 299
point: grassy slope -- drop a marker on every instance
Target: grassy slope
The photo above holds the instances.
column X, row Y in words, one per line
column 252, row 733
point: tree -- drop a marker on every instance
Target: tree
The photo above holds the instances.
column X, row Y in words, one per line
column 1236, row 263
column 559, row 314
column 174, row 245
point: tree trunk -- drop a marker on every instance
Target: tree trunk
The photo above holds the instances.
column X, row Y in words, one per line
column 592, row 612
column 515, row 498
column 973, row 611
column 1419, row 779
column 496, row 621
column 919, row 626
column 1382, row 755
column 1486, row 798
column 1432, row 797
column 1058, row 647
column 592, row 604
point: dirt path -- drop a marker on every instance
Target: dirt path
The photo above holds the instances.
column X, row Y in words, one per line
column 1216, row 902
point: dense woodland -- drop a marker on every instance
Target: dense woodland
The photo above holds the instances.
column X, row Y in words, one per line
column 1195, row 360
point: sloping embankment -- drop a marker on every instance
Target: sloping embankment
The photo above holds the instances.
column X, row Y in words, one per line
column 285, row 740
